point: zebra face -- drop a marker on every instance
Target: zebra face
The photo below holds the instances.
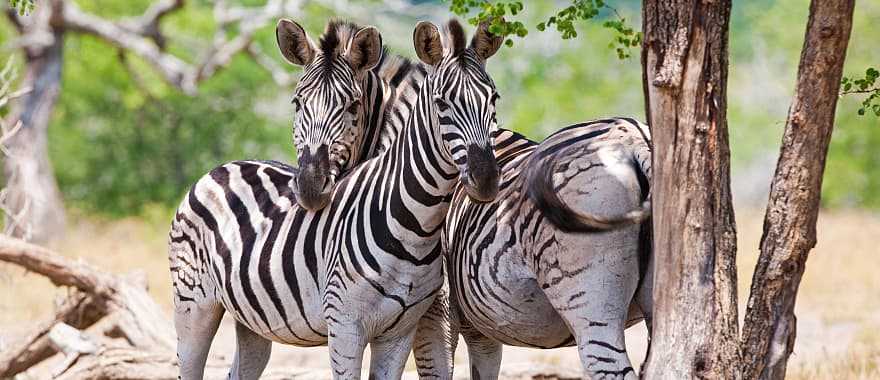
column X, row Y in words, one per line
column 329, row 120
column 464, row 100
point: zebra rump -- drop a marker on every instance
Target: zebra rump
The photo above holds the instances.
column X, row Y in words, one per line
column 546, row 198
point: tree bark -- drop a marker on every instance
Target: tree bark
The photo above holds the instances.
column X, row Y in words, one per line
column 32, row 202
column 790, row 221
column 695, row 330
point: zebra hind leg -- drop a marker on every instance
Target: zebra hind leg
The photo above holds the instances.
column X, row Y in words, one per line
column 600, row 342
column 196, row 326
column 251, row 354
column 388, row 356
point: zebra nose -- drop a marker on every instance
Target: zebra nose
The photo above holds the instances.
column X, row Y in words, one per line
column 483, row 174
column 313, row 180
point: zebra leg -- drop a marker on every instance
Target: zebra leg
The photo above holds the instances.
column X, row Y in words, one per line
column 484, row 353
column 252, row 353
column 388, row 356
column 346, row 342
column 435, row 340
column 196, row 325
column 597, row 322
column 644, row 298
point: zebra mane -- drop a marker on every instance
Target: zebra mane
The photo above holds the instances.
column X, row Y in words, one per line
column 455, row 36
column 335, row 38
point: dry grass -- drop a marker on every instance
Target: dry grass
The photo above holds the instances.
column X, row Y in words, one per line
column 838, row 304
column 838, row 308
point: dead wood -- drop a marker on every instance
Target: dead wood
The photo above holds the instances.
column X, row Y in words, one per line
column 122, row 304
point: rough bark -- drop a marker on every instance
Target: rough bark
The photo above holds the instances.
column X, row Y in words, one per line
column 790, row 221
column 695, row 330
column 31, row 200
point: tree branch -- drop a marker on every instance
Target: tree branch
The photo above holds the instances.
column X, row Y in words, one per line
column 141, row 36
column 58, row 269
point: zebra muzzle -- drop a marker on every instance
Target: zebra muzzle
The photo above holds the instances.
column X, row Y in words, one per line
column 481, row 179
column 314, row 182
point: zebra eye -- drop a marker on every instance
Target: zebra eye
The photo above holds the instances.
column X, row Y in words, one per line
column 495, row 98
column 441, row 104
column 295, row 103
column 353, row 107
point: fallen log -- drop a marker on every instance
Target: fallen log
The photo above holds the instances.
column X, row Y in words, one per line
column 132, row 313
column 79, row 310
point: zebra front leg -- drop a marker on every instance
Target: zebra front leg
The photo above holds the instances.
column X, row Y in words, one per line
column 435, row 340
column 251, row 354
column 346, row 341
column 196, row 325
column 388, row 356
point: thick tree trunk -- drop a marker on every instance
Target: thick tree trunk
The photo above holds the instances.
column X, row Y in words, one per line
column 790, row 221
column 32, row 201
column 695, row 330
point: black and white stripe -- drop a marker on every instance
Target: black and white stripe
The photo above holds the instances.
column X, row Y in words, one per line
column 519, row 272
column 363, row 269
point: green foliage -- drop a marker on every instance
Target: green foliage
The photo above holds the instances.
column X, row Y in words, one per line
column 121, row 146
column 564, row 19
column 23, row 7
column 866, row 85
column 122, row 141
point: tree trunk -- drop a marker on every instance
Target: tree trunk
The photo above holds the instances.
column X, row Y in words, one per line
column 32, row 201
column 684, row 57
column 790, row 222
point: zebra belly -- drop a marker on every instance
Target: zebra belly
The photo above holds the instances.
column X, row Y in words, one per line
column 502, row 299
column 300, row 324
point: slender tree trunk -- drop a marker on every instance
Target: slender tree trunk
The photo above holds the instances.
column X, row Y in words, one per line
column 695, row 332
column 34, row 209
column 790, row 222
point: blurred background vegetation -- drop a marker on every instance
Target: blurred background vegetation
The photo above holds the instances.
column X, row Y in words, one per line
column 123, row 143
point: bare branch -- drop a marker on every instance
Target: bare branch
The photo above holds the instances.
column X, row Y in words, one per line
column 141, row 36
column 173, row 70
column 58, row 269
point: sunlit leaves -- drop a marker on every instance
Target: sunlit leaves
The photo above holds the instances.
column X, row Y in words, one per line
column 867, row 85
column 23, row 7
column 565, row 20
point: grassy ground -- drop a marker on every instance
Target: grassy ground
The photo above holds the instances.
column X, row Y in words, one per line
column 837, row 308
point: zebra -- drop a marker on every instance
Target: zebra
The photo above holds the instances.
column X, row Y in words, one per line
column 343, row 93
column 522, row 272
column 366, row 264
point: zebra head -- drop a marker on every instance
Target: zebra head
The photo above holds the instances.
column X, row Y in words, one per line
column 464, row 98
column 330, row 112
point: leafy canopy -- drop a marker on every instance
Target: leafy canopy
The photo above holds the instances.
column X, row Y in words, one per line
column 565, row 20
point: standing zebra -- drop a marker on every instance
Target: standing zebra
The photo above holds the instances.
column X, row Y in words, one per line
column 365, row 266
column 521, row 274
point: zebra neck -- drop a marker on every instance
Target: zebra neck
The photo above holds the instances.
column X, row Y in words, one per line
column 423, row 174
column 377, row 94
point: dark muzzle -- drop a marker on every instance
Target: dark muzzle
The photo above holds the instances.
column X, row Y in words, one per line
column 483, row 174
column 313, row 183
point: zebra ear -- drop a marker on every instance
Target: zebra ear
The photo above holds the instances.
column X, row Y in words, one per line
column 426, row 38
column 484, row 43
column 365, row 49
column 295, row 44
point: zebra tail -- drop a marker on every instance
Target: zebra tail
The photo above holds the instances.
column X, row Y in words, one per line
column 546, row 199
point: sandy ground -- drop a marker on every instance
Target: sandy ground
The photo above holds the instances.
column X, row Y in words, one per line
column 838, row 320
